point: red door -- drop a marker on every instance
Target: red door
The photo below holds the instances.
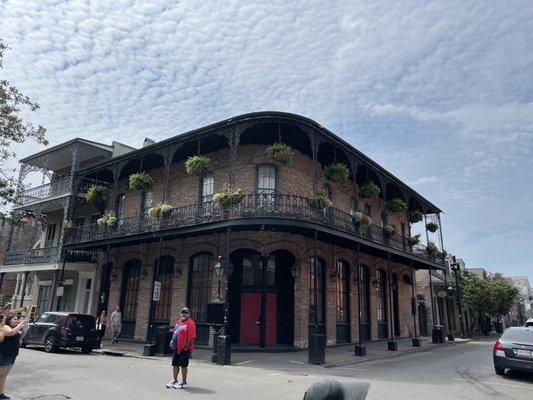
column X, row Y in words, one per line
column 251, row 314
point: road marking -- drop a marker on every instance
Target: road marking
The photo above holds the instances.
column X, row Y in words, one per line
column 296, row 362
column 496, row 383
column 244, row 362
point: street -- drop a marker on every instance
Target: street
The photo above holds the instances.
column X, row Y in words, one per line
column 459, row 372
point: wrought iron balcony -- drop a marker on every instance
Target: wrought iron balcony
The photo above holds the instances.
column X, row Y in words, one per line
column 48, row 255
column 53, row 189
column 271, row 206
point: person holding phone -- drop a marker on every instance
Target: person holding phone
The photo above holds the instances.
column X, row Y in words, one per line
column 9, row 347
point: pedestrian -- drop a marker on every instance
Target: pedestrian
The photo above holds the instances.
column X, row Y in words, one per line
column 9, row 347
column 101, row 324
column 182, row 345
column 116, row 324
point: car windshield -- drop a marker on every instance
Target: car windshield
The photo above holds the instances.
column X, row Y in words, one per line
column 519, row 335
column 85, row 322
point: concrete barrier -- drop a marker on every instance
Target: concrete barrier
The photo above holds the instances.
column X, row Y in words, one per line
column 331, row 389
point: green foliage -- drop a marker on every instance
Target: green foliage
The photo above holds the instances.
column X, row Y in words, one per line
column 357, row 216
column 159, row 211
column 389, row 230
column 108, row 220
column 366, row 220
column 228, row 197
column 413, row 240
column 431, row 248
column 396, row 206
column 319, row 201
column 96, row 195
column 140, row 181
column 432, row 227
column 68, row 226
column 198, row 165
column 13, row 129
column 369, row 190
column 337, row 172
column 415, row 216
column 280, row 152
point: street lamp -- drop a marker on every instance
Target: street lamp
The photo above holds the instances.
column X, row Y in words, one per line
column 454, row 265
column 219, row 272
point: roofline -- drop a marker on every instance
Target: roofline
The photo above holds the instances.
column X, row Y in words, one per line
column 65, row 144
column 268, row 114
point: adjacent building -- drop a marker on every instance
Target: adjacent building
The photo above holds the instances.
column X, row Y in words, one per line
column 523, row 307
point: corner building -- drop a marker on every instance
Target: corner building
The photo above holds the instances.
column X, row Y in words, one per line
column 290, row 268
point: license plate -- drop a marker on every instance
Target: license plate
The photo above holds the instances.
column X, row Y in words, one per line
column 524, row 353
column 79, row 338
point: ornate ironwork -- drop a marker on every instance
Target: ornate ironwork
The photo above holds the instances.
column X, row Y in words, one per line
column 49, row 255
column 252, row 205
column 52, row 189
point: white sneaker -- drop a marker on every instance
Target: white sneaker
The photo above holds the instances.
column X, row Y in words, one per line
column 178, row 385
column 172, row 384
column 184, row 385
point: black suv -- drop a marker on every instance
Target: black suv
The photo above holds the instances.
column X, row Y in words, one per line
column 54, row 330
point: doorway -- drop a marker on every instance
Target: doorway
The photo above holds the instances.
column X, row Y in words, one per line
column 128, row 297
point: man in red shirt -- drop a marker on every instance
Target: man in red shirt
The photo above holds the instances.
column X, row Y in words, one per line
column 183, row 344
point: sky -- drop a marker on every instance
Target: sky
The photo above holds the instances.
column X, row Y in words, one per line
column 438, row 93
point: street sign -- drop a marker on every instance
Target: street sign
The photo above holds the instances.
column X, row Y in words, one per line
column 59, row 291
column 157, row 291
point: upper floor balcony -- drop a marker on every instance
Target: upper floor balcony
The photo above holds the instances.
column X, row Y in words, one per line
column 48, row 255
column 284, row 211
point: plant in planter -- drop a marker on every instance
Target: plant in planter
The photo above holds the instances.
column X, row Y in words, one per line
column 159, row 211
column 108, row 220
column 68, row 226
column 431, row 249
column 415, row 216
column 141, row 181
column 228, row 197
column 396, row 206
column 96, row 194
column 197, row 165
column 337, row 172
column 357, row 216
column 280, row 152
column 369, row 191
column 389, row 230
column 366, row 221
column 413, row 240
column 432, row 227
column 319, row 201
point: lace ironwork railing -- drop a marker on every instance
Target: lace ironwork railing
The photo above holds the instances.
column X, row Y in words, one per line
column 48, row 255
column 52, row 189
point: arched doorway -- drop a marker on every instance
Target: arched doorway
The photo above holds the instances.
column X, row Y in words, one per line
column 200, row 292
column 381, row 292
column 161, row 313
column 395, row 305
column 365, row 302
column 342, row 300
column 247, row 290
column 128, row 297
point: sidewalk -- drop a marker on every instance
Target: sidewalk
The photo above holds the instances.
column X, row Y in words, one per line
column 335, row 356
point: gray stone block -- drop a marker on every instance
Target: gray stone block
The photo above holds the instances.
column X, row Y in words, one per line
column 331, row 389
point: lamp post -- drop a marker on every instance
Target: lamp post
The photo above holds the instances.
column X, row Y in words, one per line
column 219, row 269
column 455, row 268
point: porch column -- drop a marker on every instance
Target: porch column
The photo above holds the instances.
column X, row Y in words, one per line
column 1, row 280
column 415, row 341
column 392, row 345
column 101, row 301
column 262, row 322
column 55, row 278
column 23, row 291
column 360, row 350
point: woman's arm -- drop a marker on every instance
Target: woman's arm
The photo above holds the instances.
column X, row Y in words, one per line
column 8, row 331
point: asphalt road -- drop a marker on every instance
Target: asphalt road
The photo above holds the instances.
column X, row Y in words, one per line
column 460, row 372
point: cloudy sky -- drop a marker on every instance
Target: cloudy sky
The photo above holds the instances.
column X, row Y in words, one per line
column 439, row 93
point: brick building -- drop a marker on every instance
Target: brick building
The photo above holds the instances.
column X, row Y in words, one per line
column 288, row 245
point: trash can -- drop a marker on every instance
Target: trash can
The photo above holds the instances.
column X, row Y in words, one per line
column 438, row 334
column 162, row 339
column 317, row 349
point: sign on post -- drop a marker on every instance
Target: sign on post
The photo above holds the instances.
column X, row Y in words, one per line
column 157, row 291
column 59, row 291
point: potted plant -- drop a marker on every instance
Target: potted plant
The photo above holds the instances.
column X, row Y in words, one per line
column 431, row 249
column 68, row 226
column 140, row 181
column 389, row 230
column 159, row 211
column 415, row 216
column 108, row 220
column 228, row 197
column 366, row 221
column 369, row 190
column 413, row 240
column 96, row 194
column 319, row 202
column 357, row 216
column 337, row 172
column 396, row 205
column 432, row 227
column 280, row 152
column 197, row 165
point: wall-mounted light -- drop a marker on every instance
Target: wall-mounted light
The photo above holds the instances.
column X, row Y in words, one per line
column 295, row 271
column 177, row 273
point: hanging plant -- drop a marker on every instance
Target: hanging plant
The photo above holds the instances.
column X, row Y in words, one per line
column 68, row 226
column 431, row 248
column 389, row 230
column 413, row 240
column 228, row 197
column 108, row 220
column 159, row 211
column 141, row 181
column 96, row 194
column 444, row 254
column 415, row 216
column 337, row 172
column 197, row 165
column 396, row 206
column 319, row 202
column 280, row 152
column 369, row 191
column 432, row 227
column 366, row 221
column 357, row 216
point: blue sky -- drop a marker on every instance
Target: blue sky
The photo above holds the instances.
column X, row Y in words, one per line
column 439, row 93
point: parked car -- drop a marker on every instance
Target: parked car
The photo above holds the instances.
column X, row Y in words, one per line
column 514, row 350
column 55, row 330
column 529, row 322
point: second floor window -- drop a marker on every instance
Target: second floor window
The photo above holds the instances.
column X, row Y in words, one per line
column 266, row 183
column 51, row 233
column 327, row 192
column 119, row 206
column 80, row 221
column 146, row 202
column 207, row 189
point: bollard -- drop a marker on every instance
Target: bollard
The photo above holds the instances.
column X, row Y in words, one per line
column 224, row 350
column 317, row 349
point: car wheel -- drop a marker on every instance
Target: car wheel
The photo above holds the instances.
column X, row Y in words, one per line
column 86, row 350
column 499, row 371
column 50, row 345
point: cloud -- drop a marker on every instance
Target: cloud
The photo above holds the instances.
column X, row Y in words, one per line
column 424, row 180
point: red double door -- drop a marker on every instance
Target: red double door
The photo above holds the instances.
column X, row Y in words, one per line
column 251, row 315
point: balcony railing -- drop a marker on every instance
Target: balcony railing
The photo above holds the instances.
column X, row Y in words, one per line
column 277, row 206
column 48, row 255
column 52, row 189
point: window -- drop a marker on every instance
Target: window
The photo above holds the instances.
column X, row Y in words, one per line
column 328, row 192
column 146, row 202
column 252, row 271
column 119, row 206
column 166, row 273
column 80, row 221
column 353, row 206
column 64, row 301
column 51, row 233
column 200, row 285
column 381, row 289
column 342, row 291
column 266, row 184
column 317, row 269
column 365, row 294
column 368, row 209
column 207, row 189
column 130, row 288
